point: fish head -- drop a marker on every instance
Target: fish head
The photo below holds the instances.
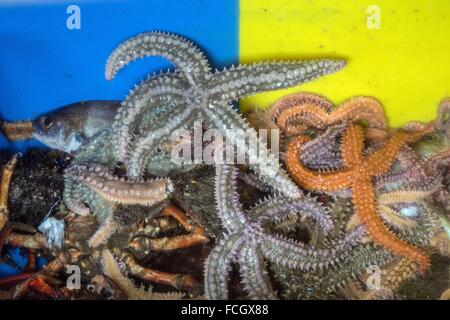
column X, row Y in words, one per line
column 60, row 131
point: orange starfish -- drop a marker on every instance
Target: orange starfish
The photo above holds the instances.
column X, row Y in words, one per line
column 294, row 113
column 357, row 174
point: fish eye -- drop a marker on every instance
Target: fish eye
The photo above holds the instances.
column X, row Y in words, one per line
column 429, row 137
column 46, row 122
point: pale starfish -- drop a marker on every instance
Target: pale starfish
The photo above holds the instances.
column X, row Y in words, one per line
column 118, row 190
column 195, row 92
column 357, row 174
column 246, row 241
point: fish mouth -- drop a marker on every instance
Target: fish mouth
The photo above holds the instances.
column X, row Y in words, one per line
column 17, row 130
column 48, row 141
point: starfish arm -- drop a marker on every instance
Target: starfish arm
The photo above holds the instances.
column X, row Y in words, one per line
column 154, row 135
column 352, row 146
column 433, row 164
column 101, row 236
column 71, row 199
column 323, row 152
column 254, row 273
column 218, row 266
column 265, row 164
column 228, row 206
column 381, row 160
column 395, row 219
column 411, row 172
column 361, row 258
column 246, row 80
column 184, row 54
column 145, row 123
column 364, row 202
column 297, row 119
column 160, row 164
column 151, row 98
column 113, row 189
column 295, row 255
column 98, row 150
column 360, row 108
column 279, row 207
column 405, row 196
column 81, row 193
column 298, row 99
column 327, row 182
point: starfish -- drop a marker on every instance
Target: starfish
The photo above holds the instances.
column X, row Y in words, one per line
column 323, row 152
column 102, row 190
column 111, row 188
column 357, row 174
column 174, row 100
column 294, row 113
column 398, row 208
column 410, row 171
column 246, row 241
column 327, row 283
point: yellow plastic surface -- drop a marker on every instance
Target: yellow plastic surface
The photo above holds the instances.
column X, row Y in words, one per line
column 405, row 63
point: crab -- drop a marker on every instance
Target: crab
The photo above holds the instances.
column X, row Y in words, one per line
column 149, row 233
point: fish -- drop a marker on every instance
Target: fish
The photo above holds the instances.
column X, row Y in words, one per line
column 68, row 127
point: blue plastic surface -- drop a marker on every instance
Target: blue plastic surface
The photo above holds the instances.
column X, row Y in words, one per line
column 44, row 65
column 19, row 258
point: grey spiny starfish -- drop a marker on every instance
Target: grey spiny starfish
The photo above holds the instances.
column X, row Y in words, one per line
column 247, row 242
column 326, row 283
column 197, row 92
column 323, row 152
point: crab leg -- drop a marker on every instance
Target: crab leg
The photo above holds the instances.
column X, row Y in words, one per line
column 142, row 244
column 177, row 214
column 178, row 281
column 197, row 236
column 5, row 183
